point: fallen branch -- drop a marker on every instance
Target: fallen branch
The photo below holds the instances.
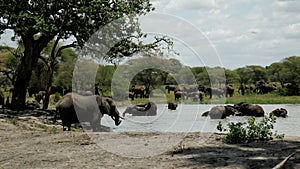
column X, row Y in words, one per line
column 282, row 163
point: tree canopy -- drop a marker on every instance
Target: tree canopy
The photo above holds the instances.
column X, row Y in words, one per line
column 36, row 23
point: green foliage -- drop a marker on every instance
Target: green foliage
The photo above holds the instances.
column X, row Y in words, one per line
column 242, row 132
column 56, row 97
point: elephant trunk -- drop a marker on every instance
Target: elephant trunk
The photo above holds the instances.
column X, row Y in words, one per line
column 114, row 114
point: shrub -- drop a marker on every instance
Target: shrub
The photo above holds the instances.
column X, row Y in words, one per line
column 247, row 132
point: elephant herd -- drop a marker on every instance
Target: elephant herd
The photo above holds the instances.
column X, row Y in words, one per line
column 197, row 92
column 241, row 109
column 75, row 108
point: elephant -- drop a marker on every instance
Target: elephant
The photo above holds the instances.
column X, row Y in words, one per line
column 138, row 90
column 220, row 112
column 148, row 109
column 242, row 89
column 246, row 109
column 214, row 91
column 262, row 87
column 280, row 112
column 171, row 88
column 180, row 94
column 40, row 96
column 73, row 108
column 198, row 95
column 131, row 95
column 229, row 90
column 172, row 105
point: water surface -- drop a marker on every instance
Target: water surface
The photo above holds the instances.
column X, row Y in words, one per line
column 187, row 118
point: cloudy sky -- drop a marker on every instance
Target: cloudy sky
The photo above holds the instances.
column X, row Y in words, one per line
column 243, row 32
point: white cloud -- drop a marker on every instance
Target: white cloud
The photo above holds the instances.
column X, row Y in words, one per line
column 245, row 31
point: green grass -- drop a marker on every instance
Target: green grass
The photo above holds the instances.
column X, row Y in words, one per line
column 271, row 98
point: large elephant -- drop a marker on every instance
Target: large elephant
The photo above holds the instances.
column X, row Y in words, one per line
column 73, row 108
column 246, row 109
column 148, row 109
column 220, row 112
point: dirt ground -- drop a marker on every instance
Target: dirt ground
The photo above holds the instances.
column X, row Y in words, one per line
column 30, row 140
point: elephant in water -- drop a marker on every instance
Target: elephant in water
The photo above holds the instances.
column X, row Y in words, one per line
column 74, row 108
column 280, row 112
column 172, row 105
column 148, row 109
column 246, row 109
column 220, row 112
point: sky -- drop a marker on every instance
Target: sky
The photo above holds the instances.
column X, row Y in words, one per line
column 243, row 32
column 226, row 33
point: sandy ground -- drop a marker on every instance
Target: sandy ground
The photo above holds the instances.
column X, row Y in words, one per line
column 32, row 141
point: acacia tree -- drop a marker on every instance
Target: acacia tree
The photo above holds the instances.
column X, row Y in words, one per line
column 36, row 23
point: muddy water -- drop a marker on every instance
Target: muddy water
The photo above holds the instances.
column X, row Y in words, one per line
column 187, row 118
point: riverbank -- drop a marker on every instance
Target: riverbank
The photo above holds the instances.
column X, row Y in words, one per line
column 32, row 142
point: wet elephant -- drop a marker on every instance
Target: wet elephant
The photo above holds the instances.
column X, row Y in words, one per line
column 280, row 112
column 220, row 112
column 246, row 109
column 148, row 109
column 73, row 108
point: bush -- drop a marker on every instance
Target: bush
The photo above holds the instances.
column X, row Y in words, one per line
column 247, row 132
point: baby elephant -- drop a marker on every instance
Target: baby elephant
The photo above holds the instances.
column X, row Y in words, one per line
column 74, row 108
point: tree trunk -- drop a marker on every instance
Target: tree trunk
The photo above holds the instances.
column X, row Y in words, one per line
column 32, row 51
column 24, row 72
column 49, row 84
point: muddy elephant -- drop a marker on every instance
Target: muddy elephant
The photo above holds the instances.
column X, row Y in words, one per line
column 172, row 105
column 148, row 109
column 246, row 109
column 280, row 112
column 74, row 108
column 220, row 112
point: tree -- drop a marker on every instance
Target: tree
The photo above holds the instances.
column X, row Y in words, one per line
column 231, row 76
column 275, row 73
column 36, row 23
